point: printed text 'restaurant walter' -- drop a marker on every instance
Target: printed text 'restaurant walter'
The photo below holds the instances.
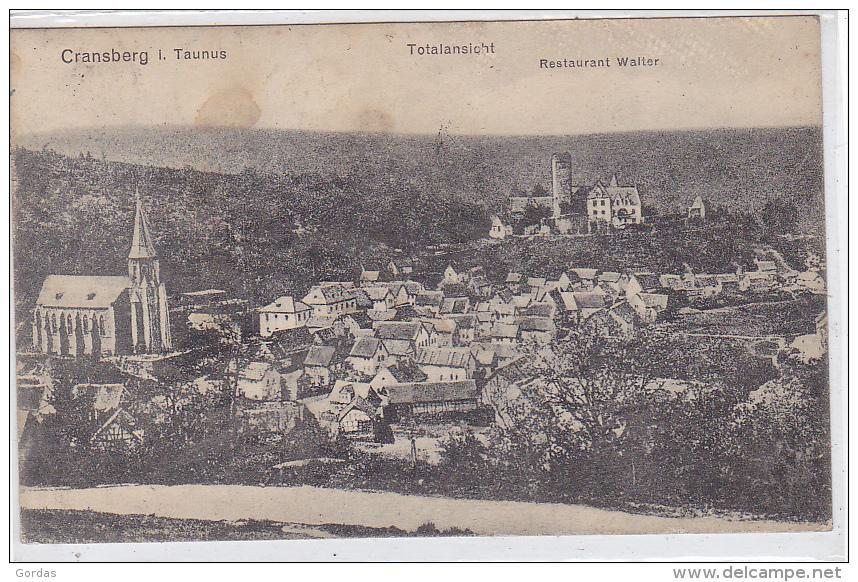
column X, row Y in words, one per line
column 598, row 63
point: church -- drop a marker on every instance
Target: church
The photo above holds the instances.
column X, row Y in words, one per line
column 106, row 315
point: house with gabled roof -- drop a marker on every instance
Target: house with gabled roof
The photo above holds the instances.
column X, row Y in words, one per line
column 367, row 355
column 455, row 306
column 317, row 365
column 543, row 330
column 415, row 332
column 283, row 313
column 409, row 399
column 446, row 364
column 331, row 300
column 648, row 306
column 504, row 333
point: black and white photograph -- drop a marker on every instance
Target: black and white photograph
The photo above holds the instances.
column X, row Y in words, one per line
column 422, row 280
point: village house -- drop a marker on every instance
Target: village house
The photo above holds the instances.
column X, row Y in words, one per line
column 697, row 210
column 317, row 365
column 542, row 330
column 465, row 325
column 415, row 332
column 498, row 230
column 588, row 277
column 260, row 380
column 513, row 282
column 400, row 351
column 451, row 277
column 504, row 333
column 810, row 281
column 431, row 300
column 381, row 297
column 331, row 300
column 369, row 278
column 283, row 314
column 446, row 364
column 367, row 355
column 400, row 294
column 648, row 306
column 579, row 306
column 431, row 398
column 624, row 316
column 108, row 407
column 446, row 331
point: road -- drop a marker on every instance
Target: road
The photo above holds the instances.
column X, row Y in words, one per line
column 316, row 506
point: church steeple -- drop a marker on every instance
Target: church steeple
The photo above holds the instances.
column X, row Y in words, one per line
column 141, row 242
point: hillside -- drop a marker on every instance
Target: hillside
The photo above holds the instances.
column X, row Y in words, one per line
column 739, row 169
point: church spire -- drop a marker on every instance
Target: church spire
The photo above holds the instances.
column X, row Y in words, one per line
column 141, row 242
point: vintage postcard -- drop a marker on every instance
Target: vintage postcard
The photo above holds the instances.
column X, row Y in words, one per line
column 422, row 279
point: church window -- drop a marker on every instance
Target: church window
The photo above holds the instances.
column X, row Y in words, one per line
column 90, row 296
column 86, row 323
column 101, row 324
column 59, row 295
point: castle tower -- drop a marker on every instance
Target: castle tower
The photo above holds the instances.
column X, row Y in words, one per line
column 561, row 173
column 150, row 320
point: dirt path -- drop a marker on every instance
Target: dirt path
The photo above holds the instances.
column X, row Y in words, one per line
column 315, row 506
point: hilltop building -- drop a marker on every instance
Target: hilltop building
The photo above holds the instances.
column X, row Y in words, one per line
column 106, row 315
column 612, row 206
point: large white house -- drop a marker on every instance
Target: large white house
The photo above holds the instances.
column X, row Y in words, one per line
column 613, row 205
column 283, row 314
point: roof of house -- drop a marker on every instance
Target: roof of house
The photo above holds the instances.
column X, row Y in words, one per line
column 381, row 314
column 285, row 304
column 698, row 203
column 455, row 305
column 363, row 300
column 648, row 280
column 448, row 357
column 81, row 291
column 589, row 300
column 446, row 325
column 656, row 300
column 521, row 301
column 397, row 347
column 543, row 309
column 398, row 330
column 507, row 330
column 413, row 287
column 513, row 277
column 585, row 274
column 319, row 356
column 766, row 266
column 464, row 321
column 624, row 311
column 370, row 275
column 337, row 293
column 484, row 316
column 432, row 392
column 610, row 277
column 364, row 347
column 433, row 298
column 537, row 324
column 376, row 293
column 255, row 371
column 536, row 281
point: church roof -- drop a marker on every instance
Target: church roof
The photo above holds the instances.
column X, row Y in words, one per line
column 141, row 242
column 81, row 291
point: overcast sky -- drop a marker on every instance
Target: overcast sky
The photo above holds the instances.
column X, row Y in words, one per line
column 712, row 72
